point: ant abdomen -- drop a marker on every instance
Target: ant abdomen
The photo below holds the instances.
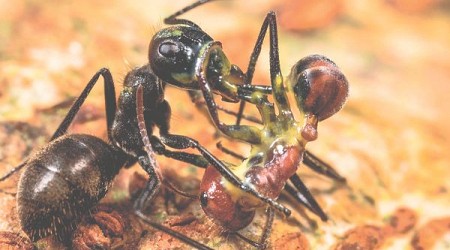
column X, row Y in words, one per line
column 218, row 203
column 62, row 182
column 319, row 86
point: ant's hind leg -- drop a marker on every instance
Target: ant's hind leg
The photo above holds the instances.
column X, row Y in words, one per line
column 14, row 170
column 304, row 196
column 263, row 241
column 320, row 167
column 110, row 102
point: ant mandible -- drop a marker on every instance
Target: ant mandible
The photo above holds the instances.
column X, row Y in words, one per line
column 320, row 90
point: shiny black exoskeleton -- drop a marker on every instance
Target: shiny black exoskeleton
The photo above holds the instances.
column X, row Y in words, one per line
column 68, row 177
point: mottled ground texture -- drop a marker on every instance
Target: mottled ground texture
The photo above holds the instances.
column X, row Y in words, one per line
column 391, row 140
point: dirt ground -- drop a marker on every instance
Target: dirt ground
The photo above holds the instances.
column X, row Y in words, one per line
column 391, row 140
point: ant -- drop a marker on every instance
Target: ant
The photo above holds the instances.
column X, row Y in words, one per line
column 320, row 90
column 69, row 175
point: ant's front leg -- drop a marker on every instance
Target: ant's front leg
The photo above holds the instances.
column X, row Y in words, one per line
column 148, row 163
column 110, row 105
column 249, row 134
column 254, row 58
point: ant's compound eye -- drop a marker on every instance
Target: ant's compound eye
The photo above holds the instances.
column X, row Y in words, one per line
column 319, row 86
column 169, row 49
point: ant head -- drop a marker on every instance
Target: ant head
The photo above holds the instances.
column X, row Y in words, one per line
column 173, row 54
column 319, row 86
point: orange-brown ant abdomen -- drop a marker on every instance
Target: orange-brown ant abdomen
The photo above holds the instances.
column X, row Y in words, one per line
column 268, row 178
column 219, row 205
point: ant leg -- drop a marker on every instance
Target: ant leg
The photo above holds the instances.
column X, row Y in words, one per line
column 279, row 92
column 183, row 142
column 14, row 170
column 110, row 104
column 249, row 134
column 297, row 196
column 200, row 103
column 152, row 187
column 252, row 63
column 173, row 233
column 172, row 19
column 229, row 152
column 309, row 159
column 147, row 195
column 262, row 244
column 149, row 164
column 304, row 196
column 196, row 160
column 178, row 191
column 278, row 89
column 317, row 165
column 245, row 133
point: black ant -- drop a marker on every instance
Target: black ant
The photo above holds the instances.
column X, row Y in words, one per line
column 69, row 176
column 320, row 90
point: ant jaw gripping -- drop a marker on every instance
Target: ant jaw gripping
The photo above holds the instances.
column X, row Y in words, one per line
column 319, row 86
column 214, row 69
column 179, row 54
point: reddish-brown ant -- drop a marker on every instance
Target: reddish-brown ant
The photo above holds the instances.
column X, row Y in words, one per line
column 320, row 90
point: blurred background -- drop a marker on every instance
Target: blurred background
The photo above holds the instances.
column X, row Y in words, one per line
column 391, row 140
